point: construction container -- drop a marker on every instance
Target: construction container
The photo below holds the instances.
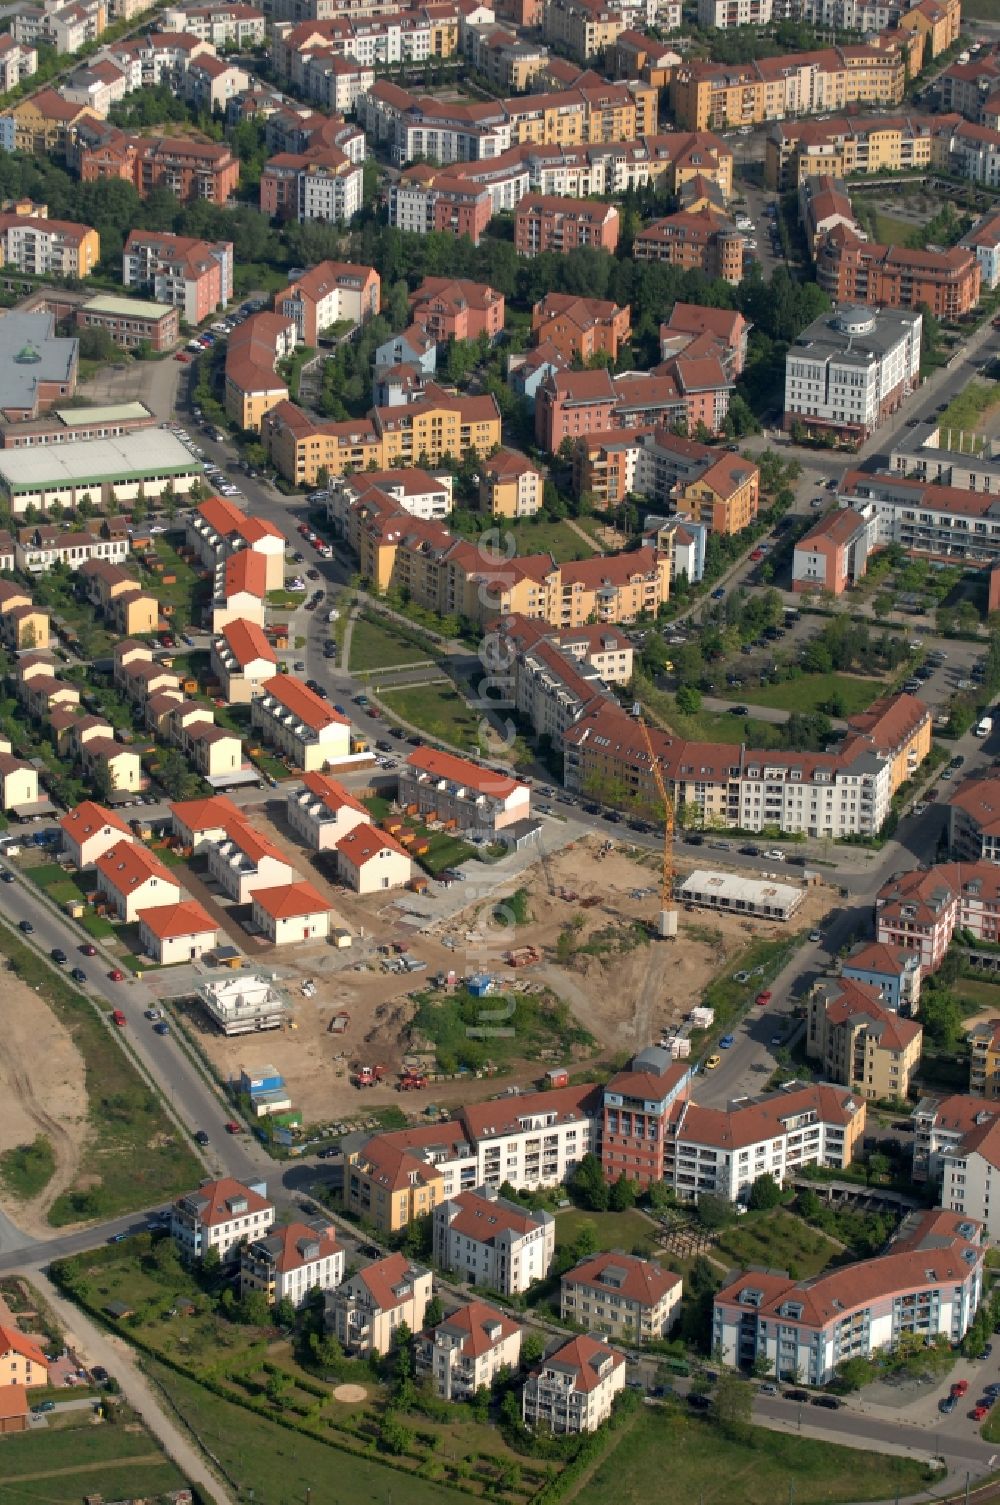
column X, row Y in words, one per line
column 263, row 1104
column 264, row 1079
column 702, row 1017
column 341, row 939
column 480, row 984
column 558, row 1076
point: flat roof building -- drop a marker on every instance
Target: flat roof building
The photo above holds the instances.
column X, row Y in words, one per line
column 847, row 371
column 738, row 895
column 144, row 463
column 38, row 369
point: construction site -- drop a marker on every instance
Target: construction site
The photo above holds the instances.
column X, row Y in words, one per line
column 577, row 937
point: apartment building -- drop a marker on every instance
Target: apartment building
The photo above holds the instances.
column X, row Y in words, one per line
column 703, row 239
column 364, row 1312
column 47, row 125
column 968, row 88
column 48, row 247
column 300, row 725
column 984, row 1062
column 860, row 1042
column 449, row 308
column 17, row 62
column 619, row 1296
column 209, row 83
column 415, row 492
column 721, row 15
column 242, row 660
column 195, row 276
column 190, row 169
column 833, row 555
column 233, row 25
column 65, row 25
column 717, row 96
column 509, row 63
column 239, row 590
column 132, row 323
column 585, row 28
column 847, row 372
column 253, row 350
column 487, row 1241
column 580, row 328
column 984, row 241
column 846, row 146
column 426, row 199
column 419, row 433
column 824, row 203
column 921, row 911
column 893, row 972
column 545, row 223
column 331, row 293
column 898, row 277
column 291, row 1262
column 468, row 1350
column 637, row 1105
column 221, row 1215
column 573, row 1390
column 942, row 521
column 321, row 184
column 510, row 486
column 927, row 1286
column 557, row 672
column 974, row 819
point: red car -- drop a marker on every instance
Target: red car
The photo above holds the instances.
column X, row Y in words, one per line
column 979, row 1413
column 960, row 1387
column 304, row 529
column 119, row 1018
column 183, row 357
column 763, row 999
column 757, row 554
column 234, row 1128
column 117, row 975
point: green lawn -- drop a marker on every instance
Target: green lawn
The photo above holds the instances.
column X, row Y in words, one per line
column 892, row 231
column 106, row 1460
column 282, row 1465
column 810, row 692
column 555, row 538
column 966, row 410
column 613, row 1230
column 777, row 1239
column 977, row 991
column 378, row 645
column 437, row 710
column 27, row 1169
column 703, row 1464
column 132, row 1155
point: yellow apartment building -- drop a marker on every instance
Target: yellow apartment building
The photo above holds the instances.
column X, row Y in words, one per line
column 862, row 1044
column 725, row 496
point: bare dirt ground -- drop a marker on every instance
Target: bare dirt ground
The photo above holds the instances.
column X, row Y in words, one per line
column 41, row 1092
column 624, row 997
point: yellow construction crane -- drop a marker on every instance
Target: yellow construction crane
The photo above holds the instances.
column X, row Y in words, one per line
column 668, row 914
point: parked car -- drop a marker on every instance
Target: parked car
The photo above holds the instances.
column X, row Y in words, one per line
column 200, row 1137
column 26, row 927
column 712, row 1062
column 829, row 1402
column 727, row 1042
column 799, row 1395
column 764, row 998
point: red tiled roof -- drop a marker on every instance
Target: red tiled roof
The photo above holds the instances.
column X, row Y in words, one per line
column 303, row 703
column 129, row 864
column 88, row 817
column 638, row 1279
column 175, row 920
column 584, row 1357
column 246, row 642
column 444, row 765
column 364, row 843
column 482, row 1218
column 384, row 1277
column 479, row 1327
column 213, row 1201
column 287, row 901
column 12, row 1339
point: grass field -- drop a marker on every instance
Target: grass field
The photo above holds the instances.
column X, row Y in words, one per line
column 704, row 1464
column 778, row 1239
column 892, row 231
column 812, row 691
column 376, row 645
column 27, row 1169
column 976, row 990
column 965, row 411
column 133, row 1155
column 439, row 711
column 613, row 1230
column 59, row 1466
column 282, row 1465
column 555, row 538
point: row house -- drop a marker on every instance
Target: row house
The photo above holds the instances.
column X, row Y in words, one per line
column 19, row 786
column 927, row 1286
column 239, row 590
column 216, row 531
column 242, row 660
column 132, row 878
column 23, row 626
column 195, row 276
column 245, row 861
column 126, row 607
column 290, row 914
column 253, row 350
column 300, row 725
column 89, row 830
column 37, row 549
column 235, row 25
column 321, row 812
column 440, row 786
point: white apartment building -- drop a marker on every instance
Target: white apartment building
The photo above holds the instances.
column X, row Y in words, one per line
column 847, row 371
column 302, row 725
column 48, row 247
column 723, row 1151
column 415, row 491
column 291, row 1261
column 573, row 1390
column 220, row 1215
column 223, row 25
column 488, row 1241
column 469, row 1349
column 534, row 1140
column 16, row 63
column 841, row 799
column 621, row 1296
column 970, row 1172
column 723, row 14
column 474, row 797
column 330, row 193
column 928, row 1285
column 322, row 811
column 364, row 1312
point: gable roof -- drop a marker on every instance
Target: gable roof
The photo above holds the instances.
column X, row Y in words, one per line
column 87, row 818
column 172, row 921
column 443, row 765
column 12, row 1339
column 364, row 842
column 128, row 865
column 286, row 901
column 639, row 1280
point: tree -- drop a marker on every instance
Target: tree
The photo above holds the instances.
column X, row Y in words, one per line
column 211, row 1260
column 942, row 1018
column 434, row 1313
column 622, row 1194
column 284, row 1313
column 732, row 1405
column 689, row 700
column 714, row 1211
column 532, row 1348
column 878, row 1168
column 393, row 1437
column 253, row 1310
column 279, row 1386
column 853, row 1373
column 589, row 1186
column 765, row 1193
